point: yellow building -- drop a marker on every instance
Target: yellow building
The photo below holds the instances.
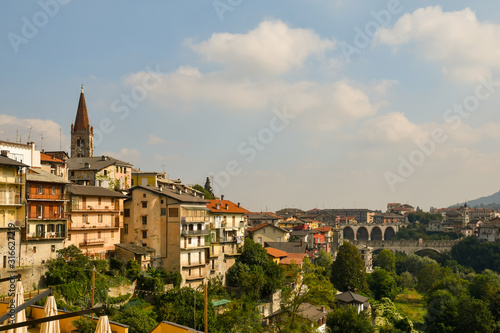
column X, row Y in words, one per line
column 12, row 210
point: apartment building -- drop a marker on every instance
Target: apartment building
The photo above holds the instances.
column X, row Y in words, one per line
column 95, row 216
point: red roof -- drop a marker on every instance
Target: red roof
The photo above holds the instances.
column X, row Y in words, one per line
column 47, row 158
column 323, row 229
column 260, row 226
column 225, row 206
column 276, row 253
column 298, row 258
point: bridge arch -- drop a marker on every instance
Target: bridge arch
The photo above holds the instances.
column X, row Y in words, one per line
column 348, row 233
column 376, row 234
column 362, row 234
column 389, row 233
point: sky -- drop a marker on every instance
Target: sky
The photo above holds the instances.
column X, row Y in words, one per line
column 307, row 104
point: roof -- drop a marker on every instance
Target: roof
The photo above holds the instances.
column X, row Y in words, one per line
column 47, row 158
column 298, row 258
column 93, row 191
column 350, row 297
column 182, row 197
column 220, row 302
column 231, row 207
column 263, row 216
column 82, row 123
column 300, row 232
column 136, row 249
column 323, row 229
column 289, row 247
column 266, row 224
column 94, row 163
column 4, row 160
column 40, row 175
column 276, row 253
column 312, row 312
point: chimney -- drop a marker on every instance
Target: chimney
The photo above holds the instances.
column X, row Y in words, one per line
column 5, row 153
column 238, row 205
column 355, row 290
column 323, row 309
column 222, row 197
column 103, row 158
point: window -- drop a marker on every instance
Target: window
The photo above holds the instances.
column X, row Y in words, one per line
column 112, row 234
column 144, row 195
column 144, row 220
column 52, row 248
column 99, row 200
column 125, row 229
column 34, row 249
column 85, row 218
column 105, row 172
column 259, row 240
column 162, row 201
column 126, row 212
column 40, row 189
column 163, row 211
column 278, row 239
column 53, row 190
column 144, row 204
column 189, row 240
column 40, row 211
column 144, row 234
column 99, row 234
column 173, row 212
column 69, row 236
column 99, row 218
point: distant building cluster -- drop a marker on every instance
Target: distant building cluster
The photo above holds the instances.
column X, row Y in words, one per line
column 50, row 200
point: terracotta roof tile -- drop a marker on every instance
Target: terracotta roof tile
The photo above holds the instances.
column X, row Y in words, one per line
column 47, row 158
column 276, row 253
column 231, row 207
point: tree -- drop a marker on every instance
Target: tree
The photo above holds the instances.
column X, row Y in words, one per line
column 382, row 284
column 324, row 260
column 208, row 187
column 343, row 320
column 348, row 270
column 241, row 315
column 386, row 259
column 140, row 318
column 177, row 306
column 207, row 194
column 85, row 325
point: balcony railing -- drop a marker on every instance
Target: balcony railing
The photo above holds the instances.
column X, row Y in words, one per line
column 90, row 242
column 194, row 232
column 10, row 201
column 187, row 219
column 228, row 239
column 11, row 180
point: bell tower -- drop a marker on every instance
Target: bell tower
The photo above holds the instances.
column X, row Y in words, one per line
column 82, row 134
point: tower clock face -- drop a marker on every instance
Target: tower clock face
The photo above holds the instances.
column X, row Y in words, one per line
column 79, row 150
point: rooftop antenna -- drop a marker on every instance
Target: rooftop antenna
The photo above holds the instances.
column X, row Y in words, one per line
column 17, row 136
column 29, row 134
column 163, row 167
column 41, row 143
column 60, row 139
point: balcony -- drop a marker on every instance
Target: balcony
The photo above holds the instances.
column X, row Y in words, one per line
column 10, row 201
column 194, row 232
column 228, row 239
column 194, row 264
column 45, row 235
column 189, row 219
column 81, row 208
column 91, row 242
column 94, row 227
column 11, row 180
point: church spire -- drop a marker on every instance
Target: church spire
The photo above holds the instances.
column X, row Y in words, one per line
column 82, row 123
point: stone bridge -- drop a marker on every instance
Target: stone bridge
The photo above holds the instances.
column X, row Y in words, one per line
column 407, row 246
column 370, row 231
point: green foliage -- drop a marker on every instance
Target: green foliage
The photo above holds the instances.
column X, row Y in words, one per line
column 324, row 260
column 85, row 325
column 348, row 270
column 343, row 320
column 215, row 288
column 118, row 299
column 133, row 269
column 208, row 187
column 116, row 264
column 480, row 256
column 406, row 280
column 423, row 217
column 207, row 195
column 387, row 318
column 140, row 317
column 241, row 315
column 386, row 259
column 382, row 284
column 416, row 231
column 154, row 284
column 254, row 273
column 177, row 306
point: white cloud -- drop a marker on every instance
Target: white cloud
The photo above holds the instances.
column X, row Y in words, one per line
column 33, row 129
column 391, row 127
column 466, row 48
column 271, row 48
column 156, row 140
column 131, row 156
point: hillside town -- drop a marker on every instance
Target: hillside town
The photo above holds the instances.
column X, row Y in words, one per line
column 106, row 209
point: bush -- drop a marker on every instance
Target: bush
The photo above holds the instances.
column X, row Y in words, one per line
column 85, row 325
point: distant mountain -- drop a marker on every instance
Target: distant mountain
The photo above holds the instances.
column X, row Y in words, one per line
column 491, row 201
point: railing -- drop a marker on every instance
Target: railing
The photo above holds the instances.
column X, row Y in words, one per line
column 193, row 263
column 93, row 208
column 92, row 242
column 187, row 219
column 46, row 235
column 194, row 232
column 10, row 201
column 228, row 239
column 11, row 180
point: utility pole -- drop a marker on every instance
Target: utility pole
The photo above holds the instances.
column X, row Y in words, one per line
column 206, row 309
column 93, row 287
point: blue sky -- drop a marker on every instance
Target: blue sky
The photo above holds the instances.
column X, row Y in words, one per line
column 324, row 104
